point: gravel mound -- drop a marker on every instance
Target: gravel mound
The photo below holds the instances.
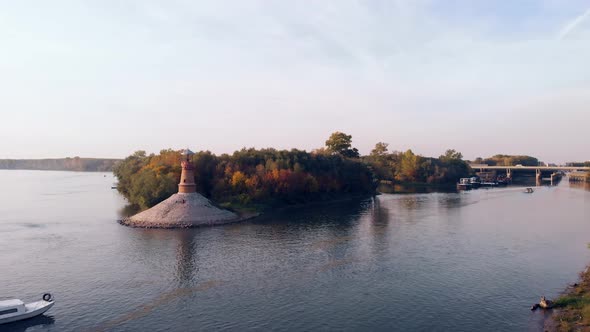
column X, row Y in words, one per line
column 183, row 210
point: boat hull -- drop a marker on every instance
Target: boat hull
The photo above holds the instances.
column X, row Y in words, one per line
column 463, row 186
column 33, row 309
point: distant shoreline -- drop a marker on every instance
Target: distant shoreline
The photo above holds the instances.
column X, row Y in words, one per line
column 75, row 164
column 53, row 170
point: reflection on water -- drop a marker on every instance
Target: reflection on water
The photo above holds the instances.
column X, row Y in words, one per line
column 186, row 267
column 162, row 300
column 337, row 263
column 415, row 189
column 383, row 263
column 580, row 185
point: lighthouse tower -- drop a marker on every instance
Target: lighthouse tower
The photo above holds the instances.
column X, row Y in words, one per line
column 187, row 177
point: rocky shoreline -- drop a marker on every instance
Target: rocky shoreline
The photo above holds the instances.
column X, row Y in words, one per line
column 168, row 225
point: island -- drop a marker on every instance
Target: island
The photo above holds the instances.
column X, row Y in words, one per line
column 252, row 181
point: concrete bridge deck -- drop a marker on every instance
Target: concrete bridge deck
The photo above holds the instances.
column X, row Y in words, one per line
column 540, row 168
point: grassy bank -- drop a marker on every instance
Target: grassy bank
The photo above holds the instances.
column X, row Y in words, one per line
column 572, row 309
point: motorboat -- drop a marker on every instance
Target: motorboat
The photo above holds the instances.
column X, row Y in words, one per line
column 14, row 310
column 475, row 182
column 529, row 191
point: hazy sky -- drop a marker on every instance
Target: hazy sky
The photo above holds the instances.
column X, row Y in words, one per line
column 106, row 78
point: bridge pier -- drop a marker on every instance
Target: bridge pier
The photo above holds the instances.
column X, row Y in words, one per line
column 509, row 174
column 555, row 177
column 538, row 177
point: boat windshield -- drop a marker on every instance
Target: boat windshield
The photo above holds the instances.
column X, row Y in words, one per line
column 8, row 311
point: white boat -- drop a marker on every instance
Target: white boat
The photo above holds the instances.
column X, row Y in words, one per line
column 14, row 309
column 464, row 184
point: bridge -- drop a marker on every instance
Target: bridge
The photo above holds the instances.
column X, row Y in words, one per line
column 542, row 168
column 538, row 170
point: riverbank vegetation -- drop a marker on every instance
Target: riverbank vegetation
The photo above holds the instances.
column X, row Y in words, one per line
column 508, row 160
column 408, row 167
column 579, row 164
column 268, row 177
column 61, row 164
column 572, row 310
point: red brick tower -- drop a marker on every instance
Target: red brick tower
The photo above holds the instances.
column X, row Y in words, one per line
column 187, row 177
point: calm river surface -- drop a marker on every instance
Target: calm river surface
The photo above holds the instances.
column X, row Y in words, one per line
column 469, row 261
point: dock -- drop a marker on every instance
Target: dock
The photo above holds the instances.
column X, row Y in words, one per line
column 579, row 177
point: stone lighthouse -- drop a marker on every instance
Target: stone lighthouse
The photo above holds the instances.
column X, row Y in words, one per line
column 187, row 177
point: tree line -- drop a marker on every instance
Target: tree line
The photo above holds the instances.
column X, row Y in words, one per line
column 271, row 177
column 266, row 177
column 507, row 160
column 579, row 164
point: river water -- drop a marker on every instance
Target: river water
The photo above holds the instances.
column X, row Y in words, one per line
column 434, row 261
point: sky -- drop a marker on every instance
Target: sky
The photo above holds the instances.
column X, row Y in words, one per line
column 107, row 78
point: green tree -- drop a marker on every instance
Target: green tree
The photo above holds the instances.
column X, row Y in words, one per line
column 451, row 155
column 340, row 143
column 205, row 164
column 148, row 188
column 508, row 160
column 408, row 167
column 452, row 167
column 379, row 150
column 127, row 169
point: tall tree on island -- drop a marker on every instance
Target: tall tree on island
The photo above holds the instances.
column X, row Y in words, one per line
column 451, row 155
column 454, row 166
column 380, row 160
column 407, row 169
column 380, row 149
column 340, row 143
